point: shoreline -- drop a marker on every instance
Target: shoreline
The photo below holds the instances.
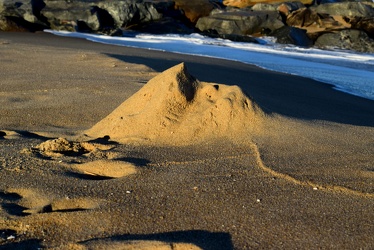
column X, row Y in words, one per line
column 265, row 90
column 290, row 60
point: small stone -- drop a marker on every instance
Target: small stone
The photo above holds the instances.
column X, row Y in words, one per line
column 258, row 200
column 315, row 188
column 11, row 237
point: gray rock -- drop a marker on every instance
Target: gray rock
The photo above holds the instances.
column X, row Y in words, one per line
column 96, row 15
column 292, row 35
column 127, row 13
column 348, row 9
column 291, row 6
column 21, row 15
column 17, row 9
column 265, row 7
column 336, row 1
column 346, row 39
column 240, row 22
column 71, row 15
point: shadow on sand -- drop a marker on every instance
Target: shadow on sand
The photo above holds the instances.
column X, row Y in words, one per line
column 278, row 93
column 203, row 239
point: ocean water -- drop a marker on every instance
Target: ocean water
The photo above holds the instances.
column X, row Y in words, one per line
column 348, row 71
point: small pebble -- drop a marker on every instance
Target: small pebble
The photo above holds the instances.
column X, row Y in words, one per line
column 12, row 237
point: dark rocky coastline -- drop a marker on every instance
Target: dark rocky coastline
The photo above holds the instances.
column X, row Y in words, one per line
column 326, row 24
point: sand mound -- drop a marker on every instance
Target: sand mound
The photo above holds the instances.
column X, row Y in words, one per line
column 175, row 108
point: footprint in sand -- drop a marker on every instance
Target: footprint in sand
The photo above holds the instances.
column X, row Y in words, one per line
column 9, row 134
column 22, row 202
column 106, row 169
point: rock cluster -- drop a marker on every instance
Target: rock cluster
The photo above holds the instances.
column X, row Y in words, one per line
column 328, row 24
column 343, row 25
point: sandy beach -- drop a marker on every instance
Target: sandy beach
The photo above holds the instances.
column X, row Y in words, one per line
column 108, row 147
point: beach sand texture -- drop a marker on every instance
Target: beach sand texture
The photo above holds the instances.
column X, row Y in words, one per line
column 105, row 147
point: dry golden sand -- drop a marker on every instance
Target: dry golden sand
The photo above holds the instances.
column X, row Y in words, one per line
column 176, row 109
column 181, row 164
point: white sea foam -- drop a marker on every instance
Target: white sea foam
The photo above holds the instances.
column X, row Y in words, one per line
column 347, row 71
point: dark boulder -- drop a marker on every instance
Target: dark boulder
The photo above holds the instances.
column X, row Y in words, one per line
column 7, row 24
column 97, row 16
column 361, row 23
column 72, row 15
column 165, row 25
column 18, row 9
column 292, row 35
column 349, row 39
column 264, row 7
column 240, row 22
column 130, row 12
column 21, row 15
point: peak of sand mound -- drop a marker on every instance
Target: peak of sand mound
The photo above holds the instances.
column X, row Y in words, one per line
column 175, row 108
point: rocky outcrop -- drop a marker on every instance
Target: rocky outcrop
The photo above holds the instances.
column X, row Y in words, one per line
column 97, row 15
column 249, row 3
column 20, row 9
column 314, row 23
column 297, row 23
column 71, row 16
column 347, row 39
column 294, row 23
column 362, row 23
column 347, row 9
column 240, row 22
column 292, row 35
column 194, row 9
column 21, row 15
